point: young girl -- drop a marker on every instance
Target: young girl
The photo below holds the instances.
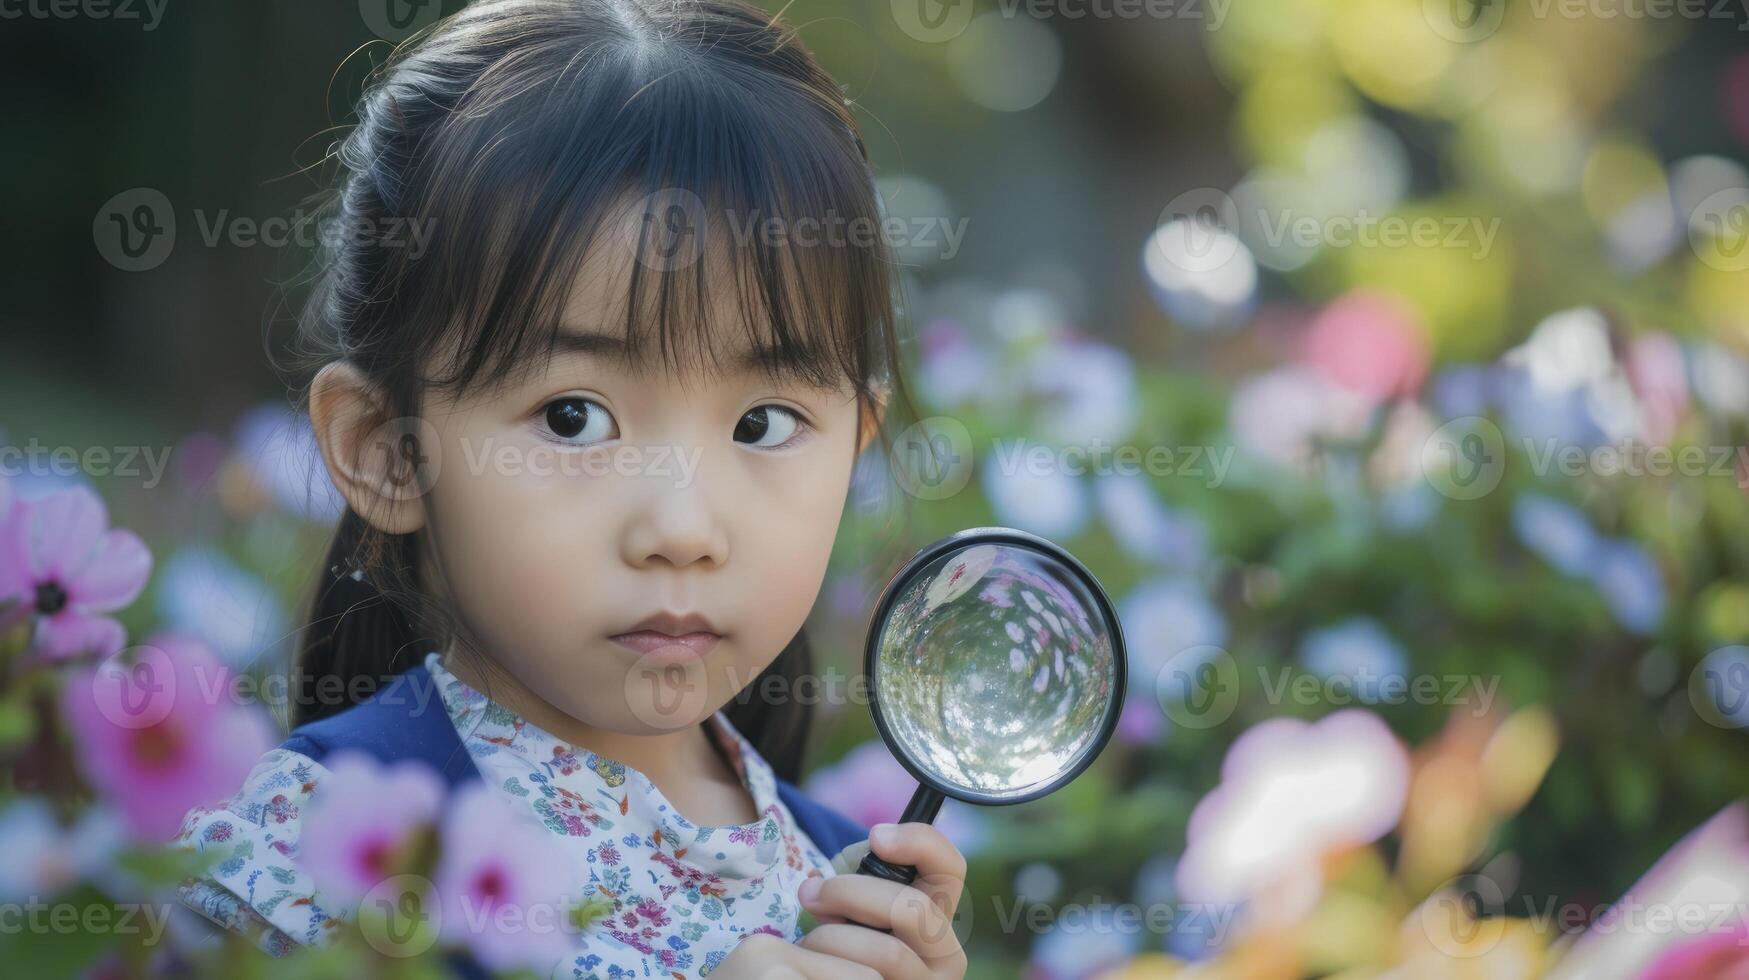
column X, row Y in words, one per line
column 595, row 425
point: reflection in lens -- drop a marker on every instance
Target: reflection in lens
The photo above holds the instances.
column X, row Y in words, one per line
column 995, row 669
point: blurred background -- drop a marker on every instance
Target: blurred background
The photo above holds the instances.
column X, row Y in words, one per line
column 1399, row 348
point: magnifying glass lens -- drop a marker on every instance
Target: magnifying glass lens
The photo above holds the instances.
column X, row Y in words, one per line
column 995, row 670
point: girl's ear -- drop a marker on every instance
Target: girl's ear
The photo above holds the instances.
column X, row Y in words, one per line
column 873, row 411
column 372, row 459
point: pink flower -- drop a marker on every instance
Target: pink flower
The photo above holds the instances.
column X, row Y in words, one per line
column 1659, row 374
column 504, row 890
column 361, row 822
column 1290, row 792
column 156, row 733
column 58, row 556
column 1370, row 343
column 1716, row 956
column 1699, row 886
column 1284, row 415
column 868, row 785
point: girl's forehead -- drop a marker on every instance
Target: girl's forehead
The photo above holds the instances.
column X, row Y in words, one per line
column 691, row 306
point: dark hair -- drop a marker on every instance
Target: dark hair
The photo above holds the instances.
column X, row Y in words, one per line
column 517, row 130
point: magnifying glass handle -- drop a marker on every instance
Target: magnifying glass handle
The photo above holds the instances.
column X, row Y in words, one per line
column 924, row 805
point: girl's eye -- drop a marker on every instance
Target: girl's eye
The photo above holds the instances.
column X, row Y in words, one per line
column 768, row 426
column 579, row 421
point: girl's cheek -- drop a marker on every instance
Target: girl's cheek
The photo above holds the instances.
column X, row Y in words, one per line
column 514, row 536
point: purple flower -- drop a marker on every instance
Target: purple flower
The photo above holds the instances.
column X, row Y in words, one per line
column 41, row 859
column 1070, row 953
column 1557, row 531
column 1146, row 528
column 202, row 592
column 1140, row 722
column 58, row 555
column 279, row 448
column 1090, row 389
column 1358, row 650
column 1046, row 501
column 1631, row 583
column 1165, row 617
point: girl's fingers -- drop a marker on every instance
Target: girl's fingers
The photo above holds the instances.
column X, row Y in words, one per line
column 886, row 954
column 770, row 958
column 941, row 868
column 915, row 919
column 818, row 964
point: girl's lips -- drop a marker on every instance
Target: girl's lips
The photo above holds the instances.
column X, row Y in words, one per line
column 663, row 648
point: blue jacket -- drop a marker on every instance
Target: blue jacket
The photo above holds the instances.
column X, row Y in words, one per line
column 392, row 726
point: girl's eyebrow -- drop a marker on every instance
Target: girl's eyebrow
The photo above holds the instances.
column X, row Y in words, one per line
column 761, row 357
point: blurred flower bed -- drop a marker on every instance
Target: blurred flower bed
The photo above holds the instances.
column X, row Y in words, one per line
column 1432, row 554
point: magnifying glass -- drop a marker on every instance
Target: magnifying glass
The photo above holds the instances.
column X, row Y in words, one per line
column 996, row 672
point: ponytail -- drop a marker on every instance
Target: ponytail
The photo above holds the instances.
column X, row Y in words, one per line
column 355, row 636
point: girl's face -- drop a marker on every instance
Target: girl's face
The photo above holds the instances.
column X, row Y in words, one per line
column 574, row 504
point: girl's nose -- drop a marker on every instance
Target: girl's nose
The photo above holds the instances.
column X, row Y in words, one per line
column 676, row 528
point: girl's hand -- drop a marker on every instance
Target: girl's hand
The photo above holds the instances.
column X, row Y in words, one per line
column 852, row 908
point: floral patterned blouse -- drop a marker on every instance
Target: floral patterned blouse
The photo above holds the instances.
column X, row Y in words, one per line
column 669, row 914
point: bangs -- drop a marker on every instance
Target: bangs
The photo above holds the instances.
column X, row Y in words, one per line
column 732, row 209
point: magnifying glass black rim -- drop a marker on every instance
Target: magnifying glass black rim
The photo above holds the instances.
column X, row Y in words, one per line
column 1023, row 539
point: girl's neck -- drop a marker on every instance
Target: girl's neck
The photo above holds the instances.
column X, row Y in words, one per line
column 686, row 764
